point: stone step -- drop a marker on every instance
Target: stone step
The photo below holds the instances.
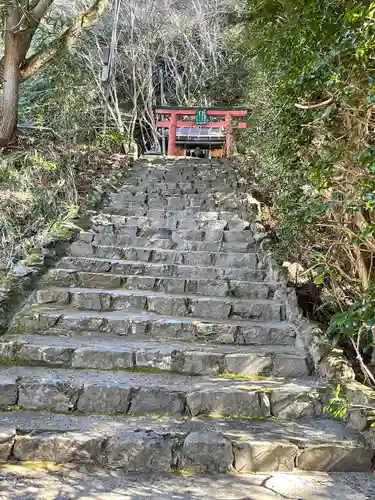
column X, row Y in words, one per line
column 77, row 481
column 180, row 188
column 154, row 214
column 197, row 192
column 147, row 195
column 173, row 204
column 214, row 176
column 110, row 352
column 123, row 392
column 152, row 326
column 178, row 213
column 216, row 288
column 166, row 256
column 158, row 218
column 121, row 330
column 118, row 235
column 155, row 445
column 217, row 177
column 156, row 269
column 182, row 202
column 119, row 240
column 95, row 299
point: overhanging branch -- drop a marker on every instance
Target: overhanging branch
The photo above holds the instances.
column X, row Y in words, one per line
column 318, row 105
column 65, row 41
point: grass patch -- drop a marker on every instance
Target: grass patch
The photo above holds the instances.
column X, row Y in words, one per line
column 9, row 361
column 11, row 467
column 187, row 472
column 219, row 416
column 235, row 376
column 13, row 408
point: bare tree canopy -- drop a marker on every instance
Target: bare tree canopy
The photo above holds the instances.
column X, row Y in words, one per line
column 186, row 40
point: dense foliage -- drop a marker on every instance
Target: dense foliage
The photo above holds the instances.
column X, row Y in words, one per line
column 312, row 133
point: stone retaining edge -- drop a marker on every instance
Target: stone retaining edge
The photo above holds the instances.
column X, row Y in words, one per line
column 328, row 362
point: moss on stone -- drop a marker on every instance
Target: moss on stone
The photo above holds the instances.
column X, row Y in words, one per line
column 14, row 408
column 8, row 361
column 219, row 416
column 236, row 376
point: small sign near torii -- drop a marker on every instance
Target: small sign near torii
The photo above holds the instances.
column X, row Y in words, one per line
column 201, row 116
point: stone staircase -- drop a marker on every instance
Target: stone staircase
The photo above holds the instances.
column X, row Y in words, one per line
column 160, row 342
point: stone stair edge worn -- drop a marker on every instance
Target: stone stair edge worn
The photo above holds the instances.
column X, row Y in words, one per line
column 190, row 358
column 224, row 287
column 162, row 445
column 149, row 325
column 134, row 392
column 170, row 304
column 120, row 266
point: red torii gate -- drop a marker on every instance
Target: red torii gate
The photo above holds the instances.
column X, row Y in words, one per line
column 174, row 122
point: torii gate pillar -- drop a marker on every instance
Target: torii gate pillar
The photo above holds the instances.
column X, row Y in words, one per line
column 172, row 134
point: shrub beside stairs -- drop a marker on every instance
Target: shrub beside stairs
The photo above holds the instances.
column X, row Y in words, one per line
column 160, row 343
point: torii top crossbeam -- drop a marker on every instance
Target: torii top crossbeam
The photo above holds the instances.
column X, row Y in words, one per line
column 206, row 118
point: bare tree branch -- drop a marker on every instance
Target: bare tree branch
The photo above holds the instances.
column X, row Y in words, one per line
column 66, row 40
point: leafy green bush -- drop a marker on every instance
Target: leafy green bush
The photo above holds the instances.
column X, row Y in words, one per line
column 35, row 190
column 312, row 131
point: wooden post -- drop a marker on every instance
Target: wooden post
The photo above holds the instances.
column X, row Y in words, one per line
column 228, row 122
column 172, row 134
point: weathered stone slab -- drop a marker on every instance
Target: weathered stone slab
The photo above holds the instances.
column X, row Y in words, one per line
column 287, row 403
column 162, row 359
column 157, row 400
column 46, row 394
column 52, row 296
column 247, row 365
column 207, row 451
column 107, row 399
column 34, row 448
column 273, row 333
column 334, row 457
column 60, row 448
column 225, row 402
column 290, row 366
column 56, row 355
column 8, row 392
column 256, row 456
column 210, row 309
column 140, row 452
column 103, row 358
column 7, row 437
column 202, row 363
column 168, row 305
column 262, row 310
column 91, row 301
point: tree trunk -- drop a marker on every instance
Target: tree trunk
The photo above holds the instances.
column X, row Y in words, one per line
column 14, row 67
column 11, row 81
